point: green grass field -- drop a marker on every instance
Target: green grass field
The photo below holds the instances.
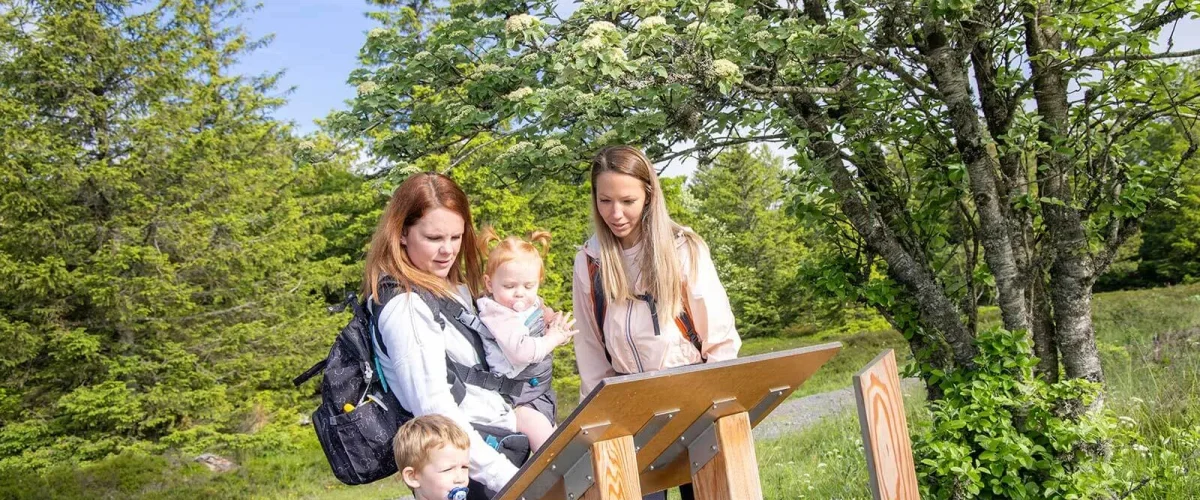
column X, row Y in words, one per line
column 1149, row 340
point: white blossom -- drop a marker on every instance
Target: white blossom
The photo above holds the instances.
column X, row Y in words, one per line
column 599, row 28
column 651, row 22
column 519, row 94
column 720, row 9
column 592, row 44
column 519, row 23
column 725, row 69
column 368, row 87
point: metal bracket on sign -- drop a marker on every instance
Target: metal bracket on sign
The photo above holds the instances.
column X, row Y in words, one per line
column 699, row 426
column 703, row 449
column 767, row 402
column 579, row 478
column 652, row 428
column 577, row 454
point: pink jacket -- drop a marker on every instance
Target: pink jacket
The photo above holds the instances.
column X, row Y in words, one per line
column 629, row 331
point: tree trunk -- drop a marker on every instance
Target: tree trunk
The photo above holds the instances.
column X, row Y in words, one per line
column 949, row 75
column 1072, row 273
column 938, row 316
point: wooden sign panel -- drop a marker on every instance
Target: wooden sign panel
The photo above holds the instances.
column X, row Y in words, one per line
column 885, row 430
column 664, row 412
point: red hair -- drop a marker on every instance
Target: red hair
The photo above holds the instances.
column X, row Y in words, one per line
column 512, row 247
column 416, row 196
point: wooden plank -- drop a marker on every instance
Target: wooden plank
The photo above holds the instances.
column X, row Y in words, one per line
column 628, row 402
column 614, row 463
column 885, row 430
column 733, row 473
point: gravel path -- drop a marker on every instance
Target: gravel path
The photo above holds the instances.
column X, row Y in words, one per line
column 799, row 413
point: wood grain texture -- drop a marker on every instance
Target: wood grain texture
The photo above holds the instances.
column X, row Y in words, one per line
column 614, row 464
column 626, row 403
column 733, row 473
column 885, row 430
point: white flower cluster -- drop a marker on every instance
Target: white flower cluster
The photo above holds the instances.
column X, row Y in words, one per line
column 617, row 56
column 651, row 22
column 485, row 68
column 367, row 88
column 554, row 148
column 599, row 28
column 592, row 44
column 519, row 23
column 759, row 36
column 376, row 32
column 519, row 94
column 725, row 69
column 518, row 148
column 752, row 18
column 720, row 9
column 306, row 145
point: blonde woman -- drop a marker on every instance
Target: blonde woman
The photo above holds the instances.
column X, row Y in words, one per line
column 646, row 292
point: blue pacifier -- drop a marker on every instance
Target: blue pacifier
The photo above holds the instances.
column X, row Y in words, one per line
column 458, row 493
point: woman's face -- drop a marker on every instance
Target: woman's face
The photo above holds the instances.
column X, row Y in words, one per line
column 621, row 199
column 433, row 242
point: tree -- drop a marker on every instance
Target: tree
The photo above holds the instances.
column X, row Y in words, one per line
column 155, row 234
column 879, row 101
column 757, row 247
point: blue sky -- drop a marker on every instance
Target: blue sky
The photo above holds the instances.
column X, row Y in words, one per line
column 316, row 43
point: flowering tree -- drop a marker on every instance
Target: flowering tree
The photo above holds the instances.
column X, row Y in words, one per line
column 968, row 151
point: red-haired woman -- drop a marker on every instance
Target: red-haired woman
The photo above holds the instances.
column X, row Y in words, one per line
column 423, row 251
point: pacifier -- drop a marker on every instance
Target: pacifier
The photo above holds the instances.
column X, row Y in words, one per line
column 520, row 305
column 459, row 493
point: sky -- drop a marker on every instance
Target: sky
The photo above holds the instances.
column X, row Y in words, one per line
column 317, row 42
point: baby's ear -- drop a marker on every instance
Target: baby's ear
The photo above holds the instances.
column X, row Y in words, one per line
column 409, row 476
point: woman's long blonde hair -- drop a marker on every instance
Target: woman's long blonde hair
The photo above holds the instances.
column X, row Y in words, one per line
column 660, row 265
column 416, row 196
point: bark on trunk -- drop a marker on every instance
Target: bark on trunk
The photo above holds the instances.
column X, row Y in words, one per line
column 1042, row 323
column 1072, row 273
column 949, row 75
column 937, row 312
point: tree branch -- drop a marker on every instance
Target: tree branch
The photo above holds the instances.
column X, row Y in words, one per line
column 714, row 145
column 1138, row 57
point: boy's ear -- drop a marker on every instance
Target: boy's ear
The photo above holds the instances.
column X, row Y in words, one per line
column 409, row 476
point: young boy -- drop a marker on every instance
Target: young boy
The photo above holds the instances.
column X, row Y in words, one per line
column 432, row 454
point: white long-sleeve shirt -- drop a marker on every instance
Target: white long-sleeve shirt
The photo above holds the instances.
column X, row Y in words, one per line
column 415, row 371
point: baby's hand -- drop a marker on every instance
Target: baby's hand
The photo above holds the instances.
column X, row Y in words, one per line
column 563, row 327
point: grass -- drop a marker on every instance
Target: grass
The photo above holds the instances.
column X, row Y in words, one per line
column 301, row 474
column 1149, row 342
column 1150, row 347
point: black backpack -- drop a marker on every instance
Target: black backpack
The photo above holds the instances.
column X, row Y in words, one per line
column 358, row 417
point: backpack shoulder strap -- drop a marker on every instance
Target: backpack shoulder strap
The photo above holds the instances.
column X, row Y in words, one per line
column 599, row 305
column 686, row 324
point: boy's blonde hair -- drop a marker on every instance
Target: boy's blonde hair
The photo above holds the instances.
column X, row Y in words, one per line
column 418, row 437
column 512, row 247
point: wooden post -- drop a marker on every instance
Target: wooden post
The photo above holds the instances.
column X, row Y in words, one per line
column 885, row 430
column 614, row 465
column 733, row 473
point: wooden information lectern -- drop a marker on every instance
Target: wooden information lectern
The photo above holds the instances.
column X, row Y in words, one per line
column 647, row 432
